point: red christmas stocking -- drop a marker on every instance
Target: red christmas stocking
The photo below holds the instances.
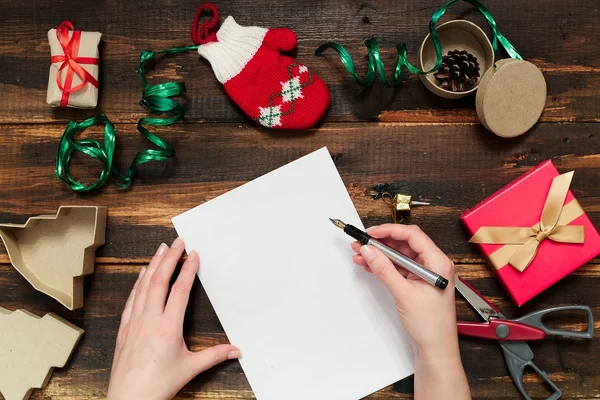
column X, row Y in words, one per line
column 271, row 88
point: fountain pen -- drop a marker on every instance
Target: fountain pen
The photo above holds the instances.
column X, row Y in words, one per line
column 397, row 258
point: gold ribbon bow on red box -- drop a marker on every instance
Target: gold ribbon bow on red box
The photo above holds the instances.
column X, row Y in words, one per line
column 71, row 62
column 521, row 243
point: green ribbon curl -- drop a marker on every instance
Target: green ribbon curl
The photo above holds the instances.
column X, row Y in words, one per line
column 376, row 65
column 155, row 98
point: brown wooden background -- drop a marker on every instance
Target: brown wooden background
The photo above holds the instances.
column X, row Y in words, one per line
column 426, row 146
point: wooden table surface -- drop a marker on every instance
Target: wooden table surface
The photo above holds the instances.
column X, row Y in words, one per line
column 423, row 145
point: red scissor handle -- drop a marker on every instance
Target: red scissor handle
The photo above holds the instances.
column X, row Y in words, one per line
column 500, row 329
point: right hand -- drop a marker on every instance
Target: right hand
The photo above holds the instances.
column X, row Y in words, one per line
column 428, row 314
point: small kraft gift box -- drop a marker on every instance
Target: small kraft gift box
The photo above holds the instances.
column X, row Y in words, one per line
column 73, row 79
column 533, row 232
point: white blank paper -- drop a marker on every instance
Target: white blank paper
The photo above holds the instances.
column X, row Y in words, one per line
column 310, row 324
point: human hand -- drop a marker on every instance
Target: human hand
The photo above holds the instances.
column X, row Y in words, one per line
column 152, row 361
column 428, row 314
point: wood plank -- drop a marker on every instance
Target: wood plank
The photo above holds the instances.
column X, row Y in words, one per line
column 86, row 376
column 453, row 166
column 425, row 146
column 558, row 37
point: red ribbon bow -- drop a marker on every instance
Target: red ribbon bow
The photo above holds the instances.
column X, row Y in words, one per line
column 70, row 60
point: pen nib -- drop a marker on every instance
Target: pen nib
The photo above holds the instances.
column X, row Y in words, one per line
column 338, row 223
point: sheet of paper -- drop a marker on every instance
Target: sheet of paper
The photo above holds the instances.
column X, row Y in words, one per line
column 309, row 323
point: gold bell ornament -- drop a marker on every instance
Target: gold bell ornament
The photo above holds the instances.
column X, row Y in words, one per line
column 401, row 203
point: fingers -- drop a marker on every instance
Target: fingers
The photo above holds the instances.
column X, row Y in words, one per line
column 206, row 359
column 159, row 281
column 419, row 243
column 411, row 234
column 180, row 292
column 126, row 316
column 402, row 247
column 142, row 289
column 358, row 259
column 129, row 303
column 383, row 268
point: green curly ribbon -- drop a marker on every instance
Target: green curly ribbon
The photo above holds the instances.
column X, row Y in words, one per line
column 155, row 98
column 375, row 63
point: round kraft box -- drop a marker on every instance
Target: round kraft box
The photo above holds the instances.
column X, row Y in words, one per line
column 483, row 84
column 455, row 35
column 511, row 97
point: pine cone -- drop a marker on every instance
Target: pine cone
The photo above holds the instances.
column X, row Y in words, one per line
column 458, row 72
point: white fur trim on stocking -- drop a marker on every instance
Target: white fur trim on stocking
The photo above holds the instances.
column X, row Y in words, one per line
column 236, row 46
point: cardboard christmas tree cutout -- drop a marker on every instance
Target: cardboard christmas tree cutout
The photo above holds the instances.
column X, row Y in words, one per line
column 55, row 252
column 30, row 348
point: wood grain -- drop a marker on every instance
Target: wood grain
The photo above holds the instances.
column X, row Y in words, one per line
column 453, row 167
column 558, row 37
column 86, row 375
column 215, row 158
column 403, row 139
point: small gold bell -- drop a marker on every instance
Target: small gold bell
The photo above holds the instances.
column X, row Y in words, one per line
column 402, row 203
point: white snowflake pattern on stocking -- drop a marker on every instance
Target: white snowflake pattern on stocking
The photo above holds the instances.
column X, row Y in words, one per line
column 291, row 90
column 270, row 116
column 303, row 69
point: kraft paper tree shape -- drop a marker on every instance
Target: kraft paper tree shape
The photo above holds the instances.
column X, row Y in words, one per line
column 55, row 252
column 30, row 348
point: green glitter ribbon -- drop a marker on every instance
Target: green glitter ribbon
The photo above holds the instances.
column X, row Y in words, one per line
column 155, row 98
column 375, row 63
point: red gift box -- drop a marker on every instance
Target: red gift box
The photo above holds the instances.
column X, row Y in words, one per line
column 544, row 257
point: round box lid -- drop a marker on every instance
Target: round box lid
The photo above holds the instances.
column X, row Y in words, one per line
column 511, row 97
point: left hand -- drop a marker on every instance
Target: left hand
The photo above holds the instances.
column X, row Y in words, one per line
column 152, row 361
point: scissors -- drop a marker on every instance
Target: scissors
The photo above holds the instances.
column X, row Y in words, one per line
column 513, row 333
